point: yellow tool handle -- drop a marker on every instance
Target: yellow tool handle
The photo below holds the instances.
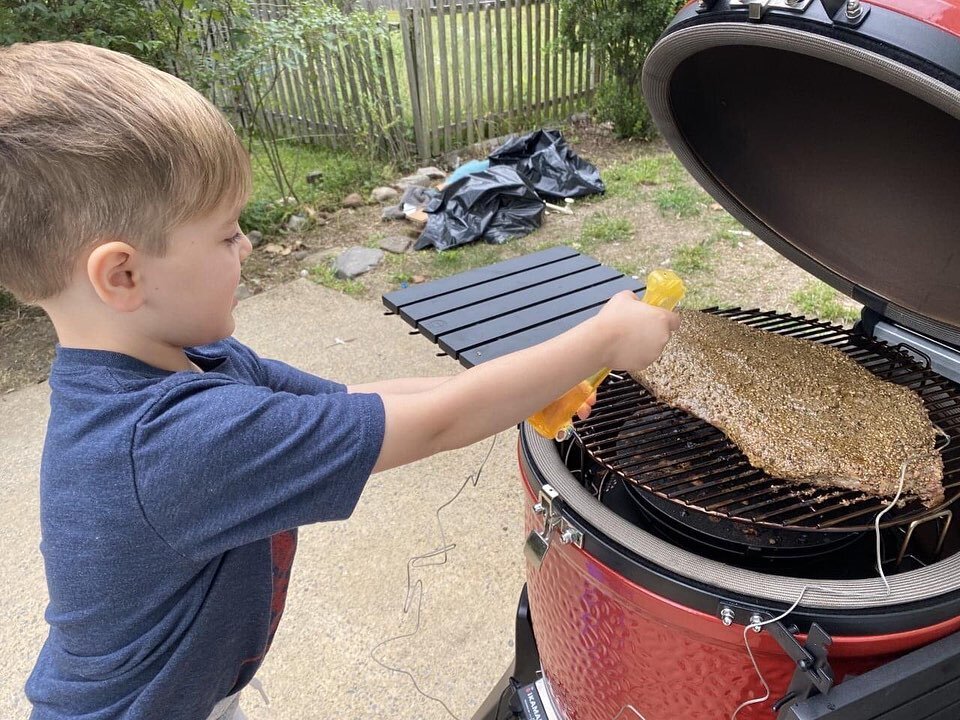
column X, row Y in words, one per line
column 664, row 289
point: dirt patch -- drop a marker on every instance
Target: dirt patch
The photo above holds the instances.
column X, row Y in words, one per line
column 634, row 231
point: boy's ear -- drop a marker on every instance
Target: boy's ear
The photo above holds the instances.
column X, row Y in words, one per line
column 113, row 270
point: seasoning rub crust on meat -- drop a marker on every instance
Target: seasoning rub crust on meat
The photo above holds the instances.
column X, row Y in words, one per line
column 799, row 410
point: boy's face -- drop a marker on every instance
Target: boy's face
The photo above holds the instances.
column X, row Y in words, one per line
column 190, row 290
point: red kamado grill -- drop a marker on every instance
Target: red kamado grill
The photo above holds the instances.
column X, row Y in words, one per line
column 830, row 130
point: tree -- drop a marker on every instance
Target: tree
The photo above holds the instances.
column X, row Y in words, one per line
column 621, row 33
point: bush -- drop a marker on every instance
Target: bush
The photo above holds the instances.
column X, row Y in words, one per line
column 622, row 33
column 126, row 26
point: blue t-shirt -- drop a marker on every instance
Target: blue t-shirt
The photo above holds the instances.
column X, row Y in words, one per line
column 168, row 508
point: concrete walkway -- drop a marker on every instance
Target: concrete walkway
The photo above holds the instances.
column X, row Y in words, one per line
column 349, row 578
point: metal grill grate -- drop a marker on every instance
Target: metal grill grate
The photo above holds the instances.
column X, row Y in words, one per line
column 681, row 458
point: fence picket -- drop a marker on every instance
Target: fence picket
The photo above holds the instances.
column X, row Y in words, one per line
column 538, row 57
column 410, row 53
column 511, row 79
column 467, row 76
column 429, row 70
column 478, row 58
column 498, row 9
column 554, row 59
column 488, row 36
column 444, row 80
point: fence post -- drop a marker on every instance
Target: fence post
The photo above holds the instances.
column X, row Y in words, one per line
column 410, row 51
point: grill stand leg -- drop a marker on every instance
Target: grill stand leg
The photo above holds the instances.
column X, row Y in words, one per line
column 501, row 703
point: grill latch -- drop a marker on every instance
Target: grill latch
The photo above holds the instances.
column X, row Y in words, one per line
column 538, row 542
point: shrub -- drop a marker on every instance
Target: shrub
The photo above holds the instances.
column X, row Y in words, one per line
column 126, row 26
column 621, row 33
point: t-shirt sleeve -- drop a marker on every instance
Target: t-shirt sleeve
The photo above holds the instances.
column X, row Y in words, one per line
column 219, row 463
column 281, row 377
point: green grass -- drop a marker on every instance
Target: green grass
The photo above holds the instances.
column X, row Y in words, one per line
column 819, row 300
column 680, row 200
column 690, row 259
column 466, row 257
column 629, row 179
column 324, row 275
column 343, row 174
column 601, row 228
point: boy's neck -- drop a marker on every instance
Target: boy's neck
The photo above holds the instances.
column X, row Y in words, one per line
column 91, row 332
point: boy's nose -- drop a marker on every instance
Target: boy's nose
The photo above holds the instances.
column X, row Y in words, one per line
column 246, row 247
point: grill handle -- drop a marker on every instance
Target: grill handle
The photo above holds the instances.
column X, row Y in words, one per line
column 555, row 422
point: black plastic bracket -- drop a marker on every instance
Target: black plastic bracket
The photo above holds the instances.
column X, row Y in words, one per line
column 813, row 675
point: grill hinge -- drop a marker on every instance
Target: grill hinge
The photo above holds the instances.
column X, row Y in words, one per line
column 538, row 542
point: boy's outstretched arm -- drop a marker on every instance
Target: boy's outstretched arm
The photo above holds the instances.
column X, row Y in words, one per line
column 625, row 334
column 399, row 386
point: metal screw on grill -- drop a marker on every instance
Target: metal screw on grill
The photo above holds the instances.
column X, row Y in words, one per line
column 726, row 616
column 854, row 10
column 538, row 509
column 571, row 535
column 755, row 621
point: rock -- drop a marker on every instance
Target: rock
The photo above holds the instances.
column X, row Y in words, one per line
column 242, row 292
column 384, row 195
column 580, row 118
column 300, row 254
column 416, row 180
column 314, row 259
column 314, row 177
column 296, row 223
column 393, row 212
column 255, row 237
column 304, row 273
column 356, row 261
column 417, row 279
column 353, row 200
column 397, row 244
column 434, row 173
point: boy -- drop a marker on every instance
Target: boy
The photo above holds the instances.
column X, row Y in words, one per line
column 177, row 463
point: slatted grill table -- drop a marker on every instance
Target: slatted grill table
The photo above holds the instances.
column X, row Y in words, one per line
column 482, row 314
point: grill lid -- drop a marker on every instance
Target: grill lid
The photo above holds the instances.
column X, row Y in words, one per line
column 837, row 144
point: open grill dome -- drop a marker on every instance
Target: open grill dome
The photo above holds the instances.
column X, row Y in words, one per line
column 837, row 146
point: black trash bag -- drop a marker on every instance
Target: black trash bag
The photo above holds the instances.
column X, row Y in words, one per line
column 495, row 205
column 544, row 160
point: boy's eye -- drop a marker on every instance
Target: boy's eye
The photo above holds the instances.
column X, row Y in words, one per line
column 235, row 238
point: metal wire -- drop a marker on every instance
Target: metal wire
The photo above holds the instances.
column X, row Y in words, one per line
column 756, row 627
column 415, row 589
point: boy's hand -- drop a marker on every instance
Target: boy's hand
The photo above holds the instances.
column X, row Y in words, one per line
column 583, row 412
column 638, row 331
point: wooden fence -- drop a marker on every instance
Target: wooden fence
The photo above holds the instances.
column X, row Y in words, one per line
column 480, row 68
column 469, row 71
column 342, row 93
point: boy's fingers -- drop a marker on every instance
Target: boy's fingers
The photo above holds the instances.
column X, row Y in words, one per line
column 583, row 412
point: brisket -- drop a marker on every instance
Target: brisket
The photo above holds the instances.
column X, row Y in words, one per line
column 799, row 410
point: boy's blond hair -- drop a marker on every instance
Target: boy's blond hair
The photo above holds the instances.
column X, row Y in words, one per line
column 95, row 146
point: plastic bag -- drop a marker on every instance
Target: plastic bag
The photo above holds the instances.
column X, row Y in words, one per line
column 544, row 160
column 494, row 205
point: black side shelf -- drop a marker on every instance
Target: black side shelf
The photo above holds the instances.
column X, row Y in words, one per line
column 924, row 685
column 481, row 314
